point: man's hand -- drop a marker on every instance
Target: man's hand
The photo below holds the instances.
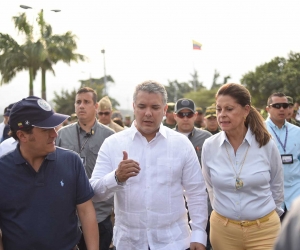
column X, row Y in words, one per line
column 197, row 246
column 127, row 168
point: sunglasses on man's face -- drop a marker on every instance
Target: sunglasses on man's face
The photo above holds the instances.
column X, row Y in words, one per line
column 279, row 105
column 185, row 114
column 103, row 113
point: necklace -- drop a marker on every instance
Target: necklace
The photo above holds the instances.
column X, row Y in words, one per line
column 238, row 181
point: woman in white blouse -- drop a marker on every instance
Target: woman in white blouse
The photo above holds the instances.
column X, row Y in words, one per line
column 243, row 173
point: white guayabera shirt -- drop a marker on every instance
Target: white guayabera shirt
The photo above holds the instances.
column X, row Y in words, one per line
column 150, row 208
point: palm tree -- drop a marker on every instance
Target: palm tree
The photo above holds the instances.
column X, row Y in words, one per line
column 57, row 47
column 32, row 56
column 15, row 58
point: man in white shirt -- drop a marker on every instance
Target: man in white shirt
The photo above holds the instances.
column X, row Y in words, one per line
column 148, row 168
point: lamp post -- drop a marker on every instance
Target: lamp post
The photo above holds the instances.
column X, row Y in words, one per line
column 28, row 7
column 105, row 79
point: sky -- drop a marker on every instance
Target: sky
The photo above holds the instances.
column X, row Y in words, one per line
column 152, row 39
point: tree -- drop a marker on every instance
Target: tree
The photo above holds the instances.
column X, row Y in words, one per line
column 57, row 48
column 32, row 56
column 195, row 81
column 202, row 98
column 177, row 90
column 278, row 75
column 64, row 102
column 15, row 58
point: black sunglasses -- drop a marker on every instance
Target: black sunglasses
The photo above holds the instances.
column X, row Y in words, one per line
column 103, row 113
column 279, row 105
column 185, row 114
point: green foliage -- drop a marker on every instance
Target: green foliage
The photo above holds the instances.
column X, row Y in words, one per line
column 177, row 90
column 64, row 102
column 34, row 55
column 203, row 98
column 278, row 75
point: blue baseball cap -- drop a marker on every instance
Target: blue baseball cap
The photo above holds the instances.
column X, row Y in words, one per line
column 8, row 109
column 36, row 112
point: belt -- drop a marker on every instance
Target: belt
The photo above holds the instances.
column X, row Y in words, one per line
column 248, row 223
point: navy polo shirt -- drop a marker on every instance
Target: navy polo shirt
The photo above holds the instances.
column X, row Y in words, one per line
column 38, row 209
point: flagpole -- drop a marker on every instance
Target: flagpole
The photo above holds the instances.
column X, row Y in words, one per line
column 196, row 46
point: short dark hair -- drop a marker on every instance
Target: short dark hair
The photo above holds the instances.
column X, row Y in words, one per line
column 87, row 90
column 278, row 94
column 13, row 134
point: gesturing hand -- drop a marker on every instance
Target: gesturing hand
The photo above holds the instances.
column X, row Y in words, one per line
column 127, row 168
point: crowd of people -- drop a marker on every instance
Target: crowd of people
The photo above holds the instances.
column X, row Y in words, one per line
column 176, row 177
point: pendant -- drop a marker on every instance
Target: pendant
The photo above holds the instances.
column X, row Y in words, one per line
column 238, row 183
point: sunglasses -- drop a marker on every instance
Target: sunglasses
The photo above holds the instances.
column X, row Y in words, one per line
column 279, row 105
column 104, row 113
column 185, row 114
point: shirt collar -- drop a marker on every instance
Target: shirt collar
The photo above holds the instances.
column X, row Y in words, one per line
column 18, row 158
column 93, row 128
column 191, row 134
column 272, row 124
column 133, row 131
column 248, row 137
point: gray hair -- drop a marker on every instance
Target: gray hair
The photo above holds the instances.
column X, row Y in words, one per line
column 151, row 87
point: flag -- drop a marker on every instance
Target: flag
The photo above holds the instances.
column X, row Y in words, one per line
column 196, row 45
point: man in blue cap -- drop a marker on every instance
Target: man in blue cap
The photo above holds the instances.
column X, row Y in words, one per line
column 43, row 187
column 4, row 133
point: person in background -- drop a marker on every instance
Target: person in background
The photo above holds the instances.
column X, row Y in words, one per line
column 52, row 191
column 290, row 231
column 286, row 136
column 185, row 115
column 297, row 108
column 118, row 121
column 170, row 121
column 211, row 122
column 127, row 121
column 290, row 114
column 6, row 123
column 86, row 137
column 105, row 113
column 3, row 123
column 199, row 121
column 149, row 168
column 242, row 169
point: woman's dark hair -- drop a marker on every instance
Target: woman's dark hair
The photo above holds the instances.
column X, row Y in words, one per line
column 254, row 120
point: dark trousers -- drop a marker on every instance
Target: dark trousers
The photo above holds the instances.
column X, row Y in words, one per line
column 284, row 214
column 105, row 235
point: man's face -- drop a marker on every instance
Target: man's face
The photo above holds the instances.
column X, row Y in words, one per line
column 170, row 117
column 85, row 108
column 127, row 122
column 211, row 123
column 278, row 116
column 149, row 110
column 104, row 116
column 200, row 118
column 185, row 119
column 41, row 141
column 290, row 111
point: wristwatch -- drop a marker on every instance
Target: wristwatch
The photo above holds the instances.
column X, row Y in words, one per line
column 117, row 180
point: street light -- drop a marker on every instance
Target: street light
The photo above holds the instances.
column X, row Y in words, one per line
column 105, row 79
column 28, row 7
column 25, row 7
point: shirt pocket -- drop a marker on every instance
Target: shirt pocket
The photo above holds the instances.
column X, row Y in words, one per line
column 168, row 170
